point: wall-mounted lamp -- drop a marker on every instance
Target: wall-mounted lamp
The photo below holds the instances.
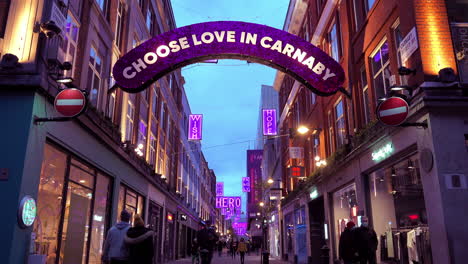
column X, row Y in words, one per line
column 396, row 88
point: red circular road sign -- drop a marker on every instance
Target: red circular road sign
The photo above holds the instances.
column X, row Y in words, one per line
column 393, row 111
column 70, row 102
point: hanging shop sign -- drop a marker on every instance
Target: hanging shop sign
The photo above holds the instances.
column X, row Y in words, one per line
column 296, row 152
column 183, row 217
column 182, row 46
column 195, row 127
column 383, row 152
column 269, row 122
column 70, row 102
column 27, row 212
column 219, row 188
column 393, row 111
column 246, row 184
column 460, row 43
column 228, row 202
column 296, row 171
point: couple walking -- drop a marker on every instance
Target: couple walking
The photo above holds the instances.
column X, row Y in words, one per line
column 358, row 245
column 128, row 245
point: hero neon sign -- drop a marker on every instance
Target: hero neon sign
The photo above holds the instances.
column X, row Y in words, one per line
column 228, row 202
column 174, row 49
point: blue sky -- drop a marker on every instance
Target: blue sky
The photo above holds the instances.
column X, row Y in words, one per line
column 228, row 93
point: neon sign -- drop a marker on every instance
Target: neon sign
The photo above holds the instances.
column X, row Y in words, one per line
column 195, row 127
column 228, row 202
column 219, row 188
column 246, row 184
column 269, row 122
column 182, row 46
column 383, row 152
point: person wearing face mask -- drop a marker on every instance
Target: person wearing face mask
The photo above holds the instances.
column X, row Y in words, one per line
column 366, row 242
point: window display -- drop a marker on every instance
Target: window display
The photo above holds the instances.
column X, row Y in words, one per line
column 344, row 209
column 399, row 213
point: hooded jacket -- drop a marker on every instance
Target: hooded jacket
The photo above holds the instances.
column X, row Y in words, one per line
column 140, row 244
column 114, row 246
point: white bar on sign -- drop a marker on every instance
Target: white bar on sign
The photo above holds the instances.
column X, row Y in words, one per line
column 393, row 111
column 70, row 102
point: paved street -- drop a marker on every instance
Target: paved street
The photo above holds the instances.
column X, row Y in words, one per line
column 224, row 259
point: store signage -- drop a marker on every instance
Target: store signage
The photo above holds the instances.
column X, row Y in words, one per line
column 174, row 49
column 183, row 217
column 228, row 202
column 269, row 122
column 313, row 193
column 219, row 188
column 460, row 43
column 296, row 171
column 27, row 212
column 383, row 152
column 195, row 127
column 246, row 184
column 70, row 102
column 296, row 152
column 408, row 45
column 393, row 111
column 275, row 194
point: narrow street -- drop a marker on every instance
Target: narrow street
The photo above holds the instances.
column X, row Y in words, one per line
column 227, row 259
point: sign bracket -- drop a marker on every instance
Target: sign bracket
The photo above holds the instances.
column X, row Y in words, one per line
column 417, row 124
column 51, row 119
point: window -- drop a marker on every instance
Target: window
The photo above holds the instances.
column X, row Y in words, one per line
column 111, row 97
column 380, row 66
column 129, row 120
column 69, row 43
column 119, row 24
column 330, row 133
column 369, row 4
column 130, row 201
column 94, row 76
column 334, row 42
column 142, row 132
column 313, row 98
column 365, row 96
column 4, row 8
column 150, row 20
column 398, row 36
column 340, row 124
column 306, row 28
column 103, row 5
column 357, row 15
column 152, row 149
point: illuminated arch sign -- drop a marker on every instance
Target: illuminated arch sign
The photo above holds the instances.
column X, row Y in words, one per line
column 228, row 40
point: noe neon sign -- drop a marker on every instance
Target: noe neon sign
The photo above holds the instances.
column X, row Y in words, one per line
column 228, row 202
column 276, row 48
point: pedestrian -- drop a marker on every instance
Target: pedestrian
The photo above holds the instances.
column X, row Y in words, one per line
column 232, row 249
column 194, row 252
column 139, row 240
column 207, row 239
column 366, row 242
column 242, row 248
column 220, row 248
column 347, row 247
column 115, row 250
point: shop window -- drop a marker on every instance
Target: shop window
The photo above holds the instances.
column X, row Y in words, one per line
column 69, row 43
column 344, row 209
column 397, row 201
column 85, row 210
column 380, row 66
column 131, row 201
column 94, row 76
column 340, row 124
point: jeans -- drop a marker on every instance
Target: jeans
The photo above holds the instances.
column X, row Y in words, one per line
column 206, row 256
column 242, row 255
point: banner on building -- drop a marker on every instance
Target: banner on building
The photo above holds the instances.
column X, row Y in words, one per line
column 269, row 122
column 296, row 152
column 246, row 184
column 219, row 188
column 195, row 127
column 460, row 43
column 254, row 172
column 296, row 171
column 228, row 202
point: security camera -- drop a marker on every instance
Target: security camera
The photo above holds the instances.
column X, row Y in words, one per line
column 50, row 29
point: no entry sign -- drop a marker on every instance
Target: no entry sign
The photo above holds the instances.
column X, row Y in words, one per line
column 393, row 111
column 70, row 102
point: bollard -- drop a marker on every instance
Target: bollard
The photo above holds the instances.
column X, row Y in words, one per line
column 266, row 257
column 325, row 257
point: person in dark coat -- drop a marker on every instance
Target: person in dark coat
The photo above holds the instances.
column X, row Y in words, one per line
column 139, row 240
column 220, row 248
column 207, row 239
column 347, row 247
column 366, row 242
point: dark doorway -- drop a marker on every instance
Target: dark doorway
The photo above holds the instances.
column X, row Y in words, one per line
column 155, row 223
column 317, row 231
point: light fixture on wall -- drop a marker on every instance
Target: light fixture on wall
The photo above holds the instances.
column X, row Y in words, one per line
column 393, row 172
column 410, row 164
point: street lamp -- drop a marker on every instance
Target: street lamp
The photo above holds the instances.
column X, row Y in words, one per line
column 270, row 181
column 302, row 130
